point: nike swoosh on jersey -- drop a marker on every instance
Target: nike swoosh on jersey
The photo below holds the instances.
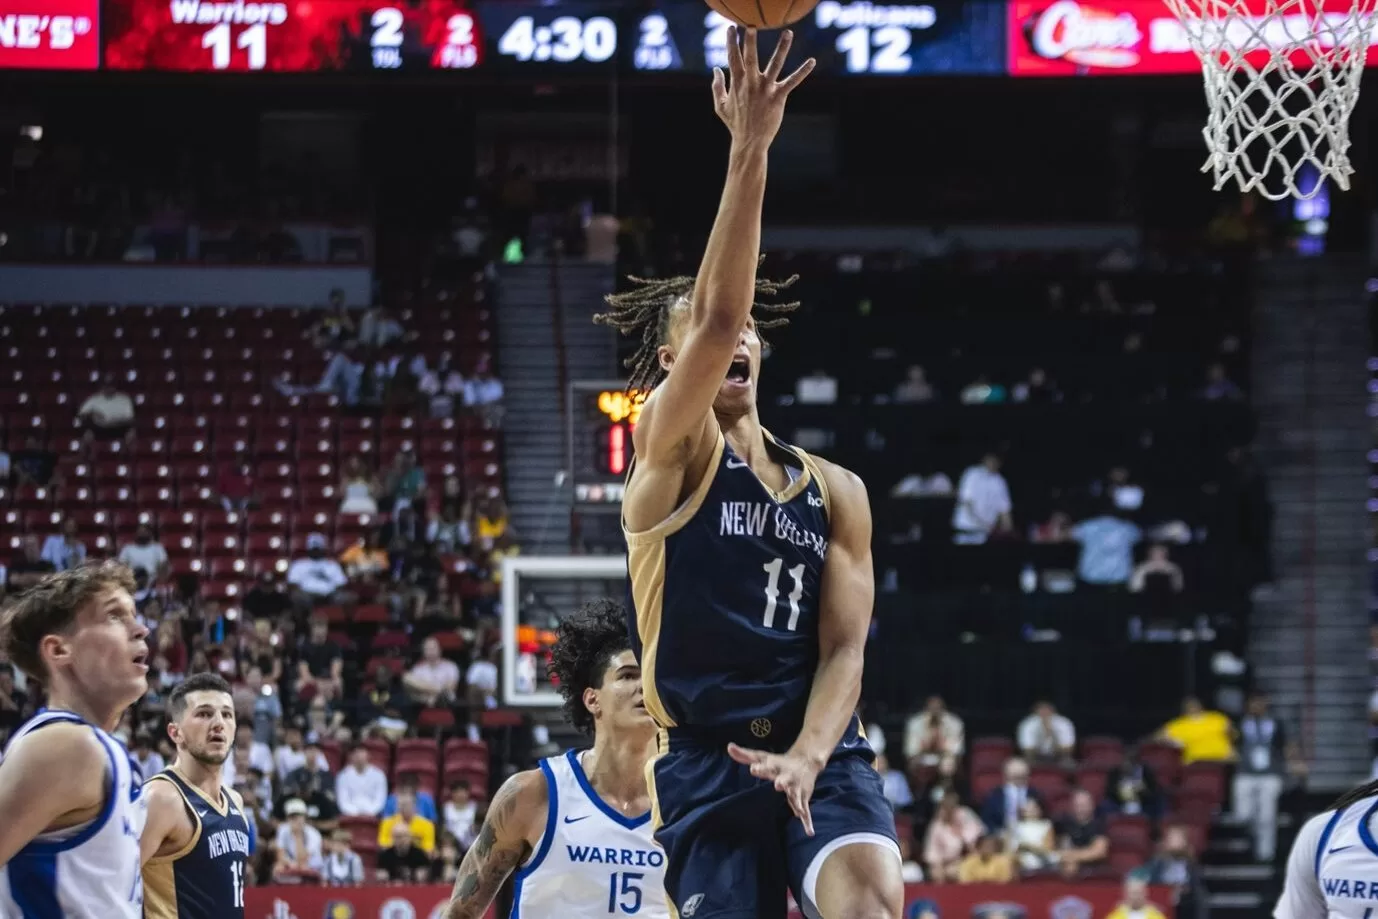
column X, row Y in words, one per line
column 577, row 819
column 1339, row 849
column 733, row 463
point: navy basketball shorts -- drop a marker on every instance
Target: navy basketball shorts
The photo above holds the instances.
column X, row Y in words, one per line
column 732, row 844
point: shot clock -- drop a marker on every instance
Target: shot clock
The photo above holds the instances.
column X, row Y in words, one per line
column 601, row 421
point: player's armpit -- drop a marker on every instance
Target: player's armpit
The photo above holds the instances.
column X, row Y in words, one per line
column 505, row 841
column 55, row 777
column 847, row 595
column 168, row 827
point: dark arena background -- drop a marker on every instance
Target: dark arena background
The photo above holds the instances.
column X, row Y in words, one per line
column 295, row 319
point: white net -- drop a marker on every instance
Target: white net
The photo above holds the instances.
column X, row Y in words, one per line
column 1282, row 77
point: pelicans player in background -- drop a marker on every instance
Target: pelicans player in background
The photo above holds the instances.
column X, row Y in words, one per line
column 1332, row 872
column 577, row 830
column 70, row 805
column 750, row 568
column 197, row 840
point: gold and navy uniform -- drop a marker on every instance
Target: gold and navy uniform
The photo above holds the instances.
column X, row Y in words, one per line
column 724, row 620
column 205, row 878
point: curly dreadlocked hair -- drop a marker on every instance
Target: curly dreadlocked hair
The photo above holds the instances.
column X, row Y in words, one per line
column 645, row 310
column 585, row 645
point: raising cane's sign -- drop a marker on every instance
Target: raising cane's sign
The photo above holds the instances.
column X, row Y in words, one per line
column 1106, row 37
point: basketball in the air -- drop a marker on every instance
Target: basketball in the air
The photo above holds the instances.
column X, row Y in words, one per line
column 764, row 14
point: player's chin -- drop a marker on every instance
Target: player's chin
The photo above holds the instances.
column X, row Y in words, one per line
column 735, row 398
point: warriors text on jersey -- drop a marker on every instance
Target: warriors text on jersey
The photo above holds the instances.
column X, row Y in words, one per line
column 205, row 879
column 725, row 594
column 1332, row 872
column 88, row 871
column 591, row 860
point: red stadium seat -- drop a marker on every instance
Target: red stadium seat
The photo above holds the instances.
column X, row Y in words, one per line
column 274, row 522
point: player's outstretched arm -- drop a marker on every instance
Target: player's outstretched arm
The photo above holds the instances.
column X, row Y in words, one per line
column 751, row 102
column 52, row 778
column 848, row 592
column 168, row 828
column 515, row 821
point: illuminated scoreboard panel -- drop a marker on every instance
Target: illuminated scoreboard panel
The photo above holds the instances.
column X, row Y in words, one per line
column 602, row 418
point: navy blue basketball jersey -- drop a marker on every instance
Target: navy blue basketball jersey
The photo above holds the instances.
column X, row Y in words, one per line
column 205, row 880
column 725, row 597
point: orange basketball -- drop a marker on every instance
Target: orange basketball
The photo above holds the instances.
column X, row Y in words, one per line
column 764, row 14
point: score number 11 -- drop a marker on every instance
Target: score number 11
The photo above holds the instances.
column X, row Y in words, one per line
column 254, row 39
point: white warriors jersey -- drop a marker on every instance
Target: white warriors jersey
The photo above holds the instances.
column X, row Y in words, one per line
column 1332, row 872
column 91, row 870
column 591, row 860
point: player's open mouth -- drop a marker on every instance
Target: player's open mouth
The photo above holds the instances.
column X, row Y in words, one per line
column 739, row 372
column 141, row 659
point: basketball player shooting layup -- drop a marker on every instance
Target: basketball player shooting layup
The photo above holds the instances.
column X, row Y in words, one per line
column 69, row 792
column 1331, row 871
column 750, row 567
column 197, row 839
column 578, row 829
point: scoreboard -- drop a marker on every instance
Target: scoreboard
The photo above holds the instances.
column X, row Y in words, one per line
column 602, row 416
column 502, row 38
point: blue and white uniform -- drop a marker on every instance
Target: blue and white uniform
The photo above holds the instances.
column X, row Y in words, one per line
column 1332, row 872
column 591, row 861
column 87, row 871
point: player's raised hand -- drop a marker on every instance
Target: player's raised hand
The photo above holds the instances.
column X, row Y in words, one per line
column 751, row 100
column 792, row 774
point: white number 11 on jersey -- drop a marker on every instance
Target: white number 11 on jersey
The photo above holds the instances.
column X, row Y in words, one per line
column 773, row 592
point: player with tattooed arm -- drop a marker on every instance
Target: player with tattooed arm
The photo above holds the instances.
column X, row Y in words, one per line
column 577, row 829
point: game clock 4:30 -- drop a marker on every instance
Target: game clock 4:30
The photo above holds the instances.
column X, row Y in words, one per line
column 554, row 36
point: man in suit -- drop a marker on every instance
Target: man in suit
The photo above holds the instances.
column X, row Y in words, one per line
column 1000, row 809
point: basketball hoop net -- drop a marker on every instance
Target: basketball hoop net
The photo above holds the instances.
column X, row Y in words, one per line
column 1282, row 77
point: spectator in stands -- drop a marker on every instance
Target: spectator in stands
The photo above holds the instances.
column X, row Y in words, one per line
column 409, row 784
column 442, row 386
column 313, row 783
column 915, row 388
column 1107, row 549
column 1037, row 389
column 334, row 328
column 450, row 531
column 34, row 465
column 1157, row 573
column 483, row 394
column 894, row 783
column 983, row 503
column 257, row 755
column 1174, row 865
column 234, row 487
column 481, row 680
column 265, row 600
column 445, row 864
column 378, row 328
column 491, row 522
column 1202, row 735
column 299, row 845
column 401, row 860
column 1032, row 839
column 1045, row 736
column 320, row 665
column 952, row 833
column 1057, row 529
column 361, row 788
column 460, row 813
column 433, row 680
column 1135, row 904
column 1082, row 843
column 108, row 414
column 385, row 705
column 317, row 579
column 359, row 488
column 1132, row 788
column 419, row 830
column 405, row 486
column 343, row 376
column 343, row 867
column 1125, row 494
column 147, row 553
column 1002, row 806
column 290, row 755
column 64, row 550
column 12, row 702
column 988, row 863
column 1266, row 756
column 367, row 560
column 1219, row 387
column 934, row 741
column 263, row 704
column 28, row 567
